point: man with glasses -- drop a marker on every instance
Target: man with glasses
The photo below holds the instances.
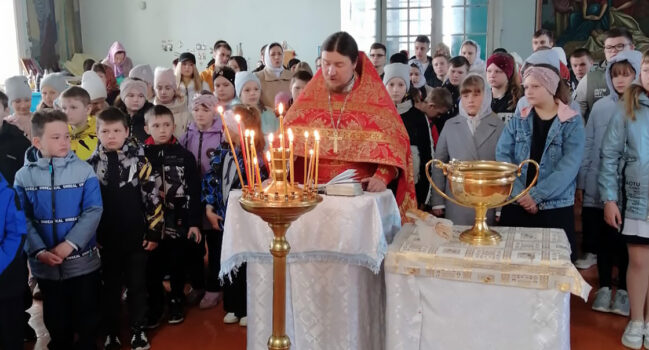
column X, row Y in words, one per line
column 593, row 86
column 377, row 57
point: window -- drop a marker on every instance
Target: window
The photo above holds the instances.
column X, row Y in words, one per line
column 9, row 60
column 405, row 19
column 465, row 19
column 359, row 18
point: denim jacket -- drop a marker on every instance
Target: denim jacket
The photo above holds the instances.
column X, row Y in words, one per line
column 627, row 142
column 564, row 149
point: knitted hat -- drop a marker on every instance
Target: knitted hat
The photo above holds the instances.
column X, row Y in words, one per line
column 187, row 56
column 129, row 85
column 208, row 100
column 56, row 81
column 164, row 76
column 504, row 62
column 17, row 87
column 226, row 72
column 92, row 83
column 545, row 57
column 142, row 72
column 397, row 70
column 241, row 78
column 548, row 78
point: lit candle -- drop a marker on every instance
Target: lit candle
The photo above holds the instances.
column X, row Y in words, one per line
column 269, row 163
column 281, row 142
column 254, row 160
column 290, row 157
column 271, row 137
column 306, row 142
column 317, row 156
column 253, row 151
column 310, row 168
column 227, row 134
column 251, row 175
column 243, row 149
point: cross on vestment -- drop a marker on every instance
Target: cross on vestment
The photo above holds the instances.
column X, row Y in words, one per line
column 335, row 139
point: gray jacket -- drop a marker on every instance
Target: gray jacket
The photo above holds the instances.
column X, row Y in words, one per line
column 457, row 142
column 600, row 116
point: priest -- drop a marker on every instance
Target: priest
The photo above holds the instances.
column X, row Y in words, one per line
column 358, row 123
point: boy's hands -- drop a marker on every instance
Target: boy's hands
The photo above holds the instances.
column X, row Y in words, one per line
column 149, row 245
column 194, row 234
column 49, row 258
column 63, row 250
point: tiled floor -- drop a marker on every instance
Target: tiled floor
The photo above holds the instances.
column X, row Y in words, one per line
column 204, row 329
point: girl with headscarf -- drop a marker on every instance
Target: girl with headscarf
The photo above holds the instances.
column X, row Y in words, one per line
column 118, row 61
column 471, row 51
column 274, row 78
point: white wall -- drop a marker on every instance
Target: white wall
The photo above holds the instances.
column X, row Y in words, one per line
column 304, row 24
column 514, row 25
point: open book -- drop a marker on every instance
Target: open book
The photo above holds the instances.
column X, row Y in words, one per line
column 343, row 184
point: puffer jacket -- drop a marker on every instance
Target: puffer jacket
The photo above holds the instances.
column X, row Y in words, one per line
column 203, row 143
column 62, row 202
column 626, row 143
column 13, row 270
column 601, row 114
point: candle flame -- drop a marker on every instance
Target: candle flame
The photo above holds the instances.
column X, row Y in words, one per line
column 290, row 135
column 306, row 134
column 316, row 134
column 268, row 155
column 280, row 108
column 252, row 134
column 311, row 152
column 246, row 133
column 271, row 137
column 237, row 118
column 254, row 160
column 219, row 109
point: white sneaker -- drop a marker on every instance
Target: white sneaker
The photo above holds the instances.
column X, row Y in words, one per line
column 621, row 303
column 602, row 300
column 632, row 337
column 646, row 335
column 243, row 322
column 588, row 260
column 230, row 318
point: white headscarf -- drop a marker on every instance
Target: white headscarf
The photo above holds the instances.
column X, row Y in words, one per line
column 422, row 79
column 478, row 66
column 485, row 107
column 267, row 61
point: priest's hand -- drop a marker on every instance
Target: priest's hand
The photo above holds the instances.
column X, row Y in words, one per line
column 373, row 184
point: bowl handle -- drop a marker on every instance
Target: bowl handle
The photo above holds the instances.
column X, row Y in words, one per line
column 443, row 166
column 525, row 191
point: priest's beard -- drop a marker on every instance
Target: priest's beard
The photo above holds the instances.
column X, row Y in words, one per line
column 342, row 88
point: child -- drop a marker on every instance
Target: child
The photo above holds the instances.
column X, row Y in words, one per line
column 623, row 183
column 248, row 90
column 298, row 82
column 397, row 81
column 505, row 85
column 106, row 74
column 134, row 104
column 440, row 67
column 51, row 87
column 92, row 83
column 551, row 133
column 621, row 71
column 471, row 51
column 20, row 99
column 417, row 79
column 221, row 55
column 62, row 202
column 167, row 95
column 13, row 144
column 224, row 85
column 177, row 177
column 13, row 269
column 217, row 183
column 144, row 73
column 75, row 103
column 472, row 135
column 274, row 78
column 437, row 103
column 458, row 69
column 118, row 61
column 130, row 227
column 238, row 64
column 188, row 80
column 204, row 135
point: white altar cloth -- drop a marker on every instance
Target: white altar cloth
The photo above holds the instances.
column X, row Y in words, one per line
column 335, row 294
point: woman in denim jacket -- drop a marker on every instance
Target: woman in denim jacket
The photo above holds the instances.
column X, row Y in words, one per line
column 551, row 133
column 625, row 154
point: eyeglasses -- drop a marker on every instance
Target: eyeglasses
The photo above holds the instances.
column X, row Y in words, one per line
column 618, row 47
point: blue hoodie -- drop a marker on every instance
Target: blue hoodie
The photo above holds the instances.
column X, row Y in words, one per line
column 12, row 225
column 600, row 116
column 62, row 202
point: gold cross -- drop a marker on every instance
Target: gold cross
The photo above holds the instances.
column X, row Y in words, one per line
column 335, row 139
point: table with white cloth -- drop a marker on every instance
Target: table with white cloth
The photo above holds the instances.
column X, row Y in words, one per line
column 445, row 294
column 335, row 293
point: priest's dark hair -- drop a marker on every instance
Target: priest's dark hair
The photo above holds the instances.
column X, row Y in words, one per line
column 343, row 43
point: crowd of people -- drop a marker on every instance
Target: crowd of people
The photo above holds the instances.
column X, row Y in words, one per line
column 115, row 185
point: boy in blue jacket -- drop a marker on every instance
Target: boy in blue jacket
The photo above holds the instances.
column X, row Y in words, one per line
column 13, row 269
column 62, row 202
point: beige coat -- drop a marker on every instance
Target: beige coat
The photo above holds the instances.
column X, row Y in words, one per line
column 182, row 115
column 272, row 85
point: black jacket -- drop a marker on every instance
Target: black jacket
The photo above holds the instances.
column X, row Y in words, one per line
column 177, row 176
column 455, row 95
column 13, row 145
column 419, row 134
column 429, row 74
column 136, row 122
